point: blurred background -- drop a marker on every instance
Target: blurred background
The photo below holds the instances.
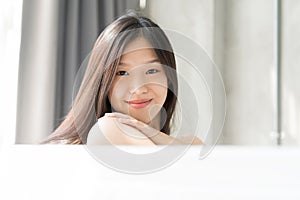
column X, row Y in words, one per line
column 254, row 44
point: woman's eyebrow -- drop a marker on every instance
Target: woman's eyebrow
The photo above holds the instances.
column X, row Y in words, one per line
column 147, row 62
column 153, row 61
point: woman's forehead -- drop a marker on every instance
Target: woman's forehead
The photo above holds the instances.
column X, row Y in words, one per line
column 137, row 44
column 139, row 57
column 138, row 52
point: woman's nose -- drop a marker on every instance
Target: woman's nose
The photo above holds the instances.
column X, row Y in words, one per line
column 138, row 86
column 139, row 90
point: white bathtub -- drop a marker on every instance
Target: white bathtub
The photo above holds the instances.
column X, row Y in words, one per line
column 229, row 172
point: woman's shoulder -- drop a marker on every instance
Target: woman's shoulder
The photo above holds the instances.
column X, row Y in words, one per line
column 98, row 133
column 190, row 139
column 108, row 130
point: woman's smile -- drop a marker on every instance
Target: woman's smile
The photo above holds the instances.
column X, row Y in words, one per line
column 139, row 103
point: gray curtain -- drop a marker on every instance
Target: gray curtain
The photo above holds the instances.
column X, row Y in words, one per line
column 57, row 35
column 81, row 21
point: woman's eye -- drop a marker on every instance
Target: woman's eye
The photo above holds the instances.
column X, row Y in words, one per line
column 122, row 73
column 152, row 71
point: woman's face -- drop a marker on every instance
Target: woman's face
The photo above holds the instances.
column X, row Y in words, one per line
column 140, row 86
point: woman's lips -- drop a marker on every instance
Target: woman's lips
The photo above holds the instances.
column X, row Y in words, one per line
column 139, row 103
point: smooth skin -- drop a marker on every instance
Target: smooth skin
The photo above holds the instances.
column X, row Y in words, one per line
column 138, row 93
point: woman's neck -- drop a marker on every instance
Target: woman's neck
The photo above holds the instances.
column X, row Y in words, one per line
column 155, row 122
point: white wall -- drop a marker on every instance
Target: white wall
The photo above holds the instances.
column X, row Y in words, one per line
column 194, row 18
column 239, row 36
column 248, row 68
column 291, row 71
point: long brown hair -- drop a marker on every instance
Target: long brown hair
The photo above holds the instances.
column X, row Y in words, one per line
column 91, row 101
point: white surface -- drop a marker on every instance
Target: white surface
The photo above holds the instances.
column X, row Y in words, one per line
column 69, row 172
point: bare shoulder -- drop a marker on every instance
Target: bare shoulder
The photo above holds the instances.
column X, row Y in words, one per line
column 197, row 141
column 109, row 131
column 190, row 139
column 98, row 133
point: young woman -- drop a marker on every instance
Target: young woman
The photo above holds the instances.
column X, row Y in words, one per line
column 129, row 89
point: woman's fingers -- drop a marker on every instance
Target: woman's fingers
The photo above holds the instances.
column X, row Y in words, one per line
column 130, row 121
column 154, row 135
column 144, row 128
column 118, row 115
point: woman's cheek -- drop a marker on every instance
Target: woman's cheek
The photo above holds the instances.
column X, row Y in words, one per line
column 117, row 97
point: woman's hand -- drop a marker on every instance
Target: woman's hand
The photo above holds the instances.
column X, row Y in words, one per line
column 109, row 131
column 154, row 135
